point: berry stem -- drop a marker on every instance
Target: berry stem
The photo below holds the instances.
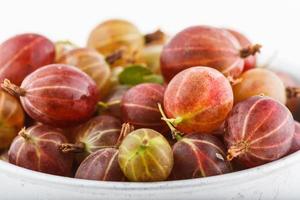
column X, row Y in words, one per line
column 156, row 37
column 115, row 56
column 251, row 50
column 236, row 150
column 125, row 130
column 23, row 133
column 175, row 133
column 12, row 88
column 292, row 92
column 74, row 148
column 106, row 105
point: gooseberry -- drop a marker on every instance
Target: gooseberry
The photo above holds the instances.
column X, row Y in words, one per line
column 57, row 95
column 145, row 155
column 259, row 130
column 37, row 148
column 204, row 46
column 198, row 100
column 113, row 35
column 23, row 54
column 93, row 64
column 139, row 106
column 101, row 165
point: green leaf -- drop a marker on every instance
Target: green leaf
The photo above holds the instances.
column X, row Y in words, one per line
column 136, row 74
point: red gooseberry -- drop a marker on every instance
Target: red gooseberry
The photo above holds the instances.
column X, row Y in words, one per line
column 37, row 148
column 204, row 46
column 259, row 130
column 101, row 165
column 198, row 100
column 139, row 106
column 23, row 54
column 57, row 95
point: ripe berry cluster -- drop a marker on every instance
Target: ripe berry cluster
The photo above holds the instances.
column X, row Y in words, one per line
column 134, row 107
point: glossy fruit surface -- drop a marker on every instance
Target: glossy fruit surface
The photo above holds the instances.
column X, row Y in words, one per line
column 204, row 46
column 197, row 100
column 259, row 130
column 112, row 103
column 250, row 61
column 101, row 165
column 113, row 35
column 37, row 148
column 199, row 155
column 145, row 155
column 93, row 64
column 139, row 106
column 22, row 54
column 97, row 133
column 259, row 82
column 57, row 95
column 11, row 119
column 296, row 139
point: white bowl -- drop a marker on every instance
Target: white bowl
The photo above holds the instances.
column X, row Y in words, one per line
column 276, row 180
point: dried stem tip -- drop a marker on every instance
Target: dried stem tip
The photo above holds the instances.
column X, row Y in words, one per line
column 156, row 37
column 236, row 150
column 74, row 148
column 125, row 130
column 251, row 50
column 112, row 58
column 23, row 133
column 12, row 88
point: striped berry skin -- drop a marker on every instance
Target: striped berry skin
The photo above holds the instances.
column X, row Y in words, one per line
column 11, row 119
column 145, row 155
column 198, row 100
column 59, row 95
column 23, row 54
column 97, row 133
column 296, row 139
column 259, row 130
column 139, row 106
column 37, row 148
column 113, row 35
column 101, row 165
column 199, row 155
column 93, row 64
column 250, row 61
column 202, row 46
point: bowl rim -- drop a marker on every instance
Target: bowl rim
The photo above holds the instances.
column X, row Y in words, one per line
column 239, row 176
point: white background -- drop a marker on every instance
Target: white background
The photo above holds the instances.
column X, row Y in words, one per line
column 274, row 24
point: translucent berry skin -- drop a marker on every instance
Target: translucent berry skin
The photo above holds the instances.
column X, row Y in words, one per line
column 59, row 95
column 259, row 82
column 93, row 64
column 115, row 34
column 250, row 61
column 259, row 130
column 113, row 100
column 39, row 151
column 198, row 156
column 296, row 139
column 139, row 106
column 98, row 132
column 101, row 165
column 11, row 119
column 23, row 54
column 200, row 98
column 202, row 46
column 145, row 155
